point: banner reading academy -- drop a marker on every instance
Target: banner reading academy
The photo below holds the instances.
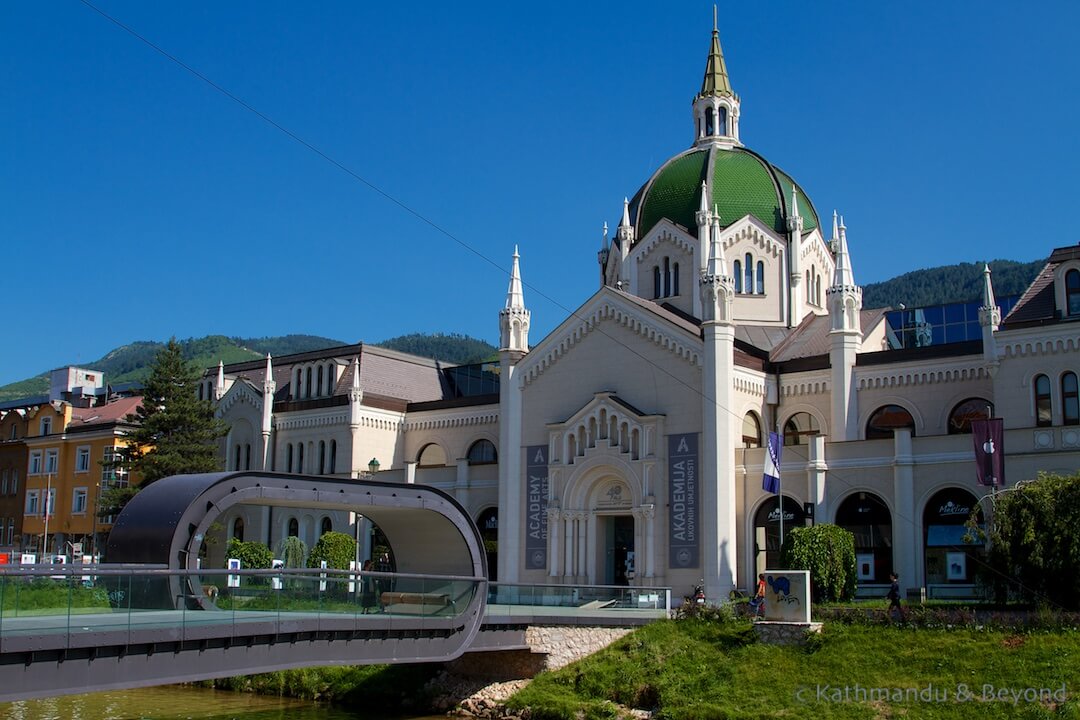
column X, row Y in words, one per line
column 683, row 515
column 536, row 497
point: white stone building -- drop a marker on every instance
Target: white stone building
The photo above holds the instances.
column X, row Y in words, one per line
column 629, row 441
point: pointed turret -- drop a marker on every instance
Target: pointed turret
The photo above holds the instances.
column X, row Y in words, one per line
column 843, row 275
column 219, row 387
column 602, row 255
column 269, row 388
column 625, row 235
column 844, row 298
column 514, row 318
column 989, row 319
column 704, row 219
column 795, row 230
column 716, row 107
column 835, row 240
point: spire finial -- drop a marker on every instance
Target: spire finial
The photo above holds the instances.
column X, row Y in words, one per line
column 716, row 81
column 794, row 201
column 625, row 221
column 604, row 240
column 715, row 27
column 835, row 232
column 515, row 298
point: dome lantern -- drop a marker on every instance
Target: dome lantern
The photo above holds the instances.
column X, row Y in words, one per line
column 716, row 107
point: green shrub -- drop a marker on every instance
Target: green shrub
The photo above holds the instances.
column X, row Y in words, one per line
column 337, row 549
column 252, row 555
column 828, row 552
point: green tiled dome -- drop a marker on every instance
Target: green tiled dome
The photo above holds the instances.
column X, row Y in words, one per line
column 743, row 183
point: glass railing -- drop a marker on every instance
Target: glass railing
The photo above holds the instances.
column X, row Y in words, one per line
column 40, row 601
column 577, row 600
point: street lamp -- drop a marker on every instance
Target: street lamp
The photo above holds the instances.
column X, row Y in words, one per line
column 373, row 466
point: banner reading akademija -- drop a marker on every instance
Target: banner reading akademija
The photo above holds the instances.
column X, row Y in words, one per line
column 683, row 488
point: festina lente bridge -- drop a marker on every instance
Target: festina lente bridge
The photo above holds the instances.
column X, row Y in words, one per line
column 152, row 616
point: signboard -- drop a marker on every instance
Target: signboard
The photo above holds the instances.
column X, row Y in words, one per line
column 76, row 548
column 787, row 595
column 275, row 582
column 28, row 559
column 322, row 576
column 684, row 515
column 536, row 498
column 989, row 439
column 233, row 581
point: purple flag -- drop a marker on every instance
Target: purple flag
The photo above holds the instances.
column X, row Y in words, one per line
column 989, row 438
column 770, row 483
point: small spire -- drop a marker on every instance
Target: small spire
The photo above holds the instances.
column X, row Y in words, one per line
column 794, row 201
column 843, row 277
column 604, row 241
column 269, row 367
column 716, row 256
column 625, row 222
column 835, row 232
column 988, row 289
column 221, row 376
column 716, row 81
column 356, row 372
column 515, row 298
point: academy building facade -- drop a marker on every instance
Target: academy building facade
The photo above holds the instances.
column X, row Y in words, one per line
column 627, row 446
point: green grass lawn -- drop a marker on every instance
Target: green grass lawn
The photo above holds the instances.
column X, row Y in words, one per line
column 696, row 669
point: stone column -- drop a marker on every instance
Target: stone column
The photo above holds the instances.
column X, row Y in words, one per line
column 554, row 521
column 907, row 560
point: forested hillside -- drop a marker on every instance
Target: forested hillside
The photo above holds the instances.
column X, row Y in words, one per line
column 950, row 283
column 451, row 348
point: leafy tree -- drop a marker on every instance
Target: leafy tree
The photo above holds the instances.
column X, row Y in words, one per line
column 828, row 552
column 1035, row 540
column 337, row 549
column 172, row 431
column 252, row 555
column 292, row 551
column 451, row 348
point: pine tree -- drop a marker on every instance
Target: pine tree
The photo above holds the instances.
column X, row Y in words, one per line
column 172, row 432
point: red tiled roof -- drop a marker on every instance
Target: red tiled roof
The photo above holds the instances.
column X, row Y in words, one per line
column 103, row 414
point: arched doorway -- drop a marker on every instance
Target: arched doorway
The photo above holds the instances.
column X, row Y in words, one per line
column 767, row 531
column 867, row 517
column 948, row 560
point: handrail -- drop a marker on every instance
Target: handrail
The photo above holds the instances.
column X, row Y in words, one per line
column 165, row 571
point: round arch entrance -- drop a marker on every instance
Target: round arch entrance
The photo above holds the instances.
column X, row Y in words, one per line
column 947, row 559
column 866, row 516
column 767, row 531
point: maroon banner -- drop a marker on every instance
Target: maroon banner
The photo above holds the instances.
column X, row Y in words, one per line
column 989, row 437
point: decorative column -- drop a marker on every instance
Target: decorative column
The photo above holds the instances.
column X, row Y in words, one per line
column 554, row 522
column 845, row 302
column 269, row 388
column 514, row 344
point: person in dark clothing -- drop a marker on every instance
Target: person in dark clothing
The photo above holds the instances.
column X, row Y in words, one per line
column 894, row 597
column 757, row 604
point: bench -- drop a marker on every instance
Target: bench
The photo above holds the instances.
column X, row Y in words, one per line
column 414, row 603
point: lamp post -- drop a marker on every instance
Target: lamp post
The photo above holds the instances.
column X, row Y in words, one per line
column 373, row 466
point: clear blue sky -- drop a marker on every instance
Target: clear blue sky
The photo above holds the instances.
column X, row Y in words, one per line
column 136, row 202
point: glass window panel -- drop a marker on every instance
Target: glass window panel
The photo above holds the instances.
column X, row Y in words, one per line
column 954, row 313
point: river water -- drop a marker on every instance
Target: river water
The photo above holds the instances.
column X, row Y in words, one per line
column 178, row 703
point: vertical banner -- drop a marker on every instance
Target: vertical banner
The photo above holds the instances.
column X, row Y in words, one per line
column 536, row 498
column 989, row 439
column 683, row 512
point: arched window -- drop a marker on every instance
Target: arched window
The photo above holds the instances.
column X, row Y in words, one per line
column 760, row 289
column 1072, row 292
column 748, row 283
column 886, row 419
column 1044, row 410
column 201, row 387
column 236, row 458
column 737, row 272
column 327, row 526
column 319, row 381
column 1070, row 410
column 431, row 456
column 247, row 456
column 799, row 427
column 46, row 426
column 675, row 279
column 866, row 516
column 322, row 452
column 288, row 457
column 961, row 416
column 482, row 452
column 667, row 277
column 333, row 456
column 299, row 457
column 488, row 524
column 294, row 527
column 948, row 558
column 238, row 529
column 307, row 383
column 751, row 431
column 721, row 126
column 817, row 290
column 767, row 531
column 657, row 287
column 710, row 124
